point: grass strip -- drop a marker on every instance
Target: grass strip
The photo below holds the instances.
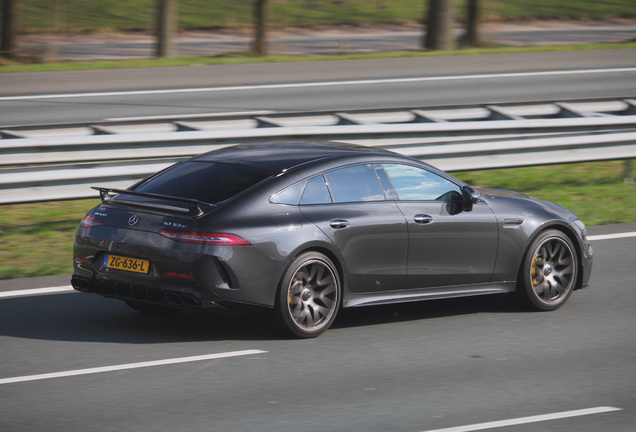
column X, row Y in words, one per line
column 37, row 239
column 245, row 58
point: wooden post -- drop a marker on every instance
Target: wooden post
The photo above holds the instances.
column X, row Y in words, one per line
column 439, row 29
column 259, row 47
column 166, row 28
column 472, row 23
column 8, row 46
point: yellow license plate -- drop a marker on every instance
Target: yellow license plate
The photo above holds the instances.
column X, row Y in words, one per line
column 127, row 264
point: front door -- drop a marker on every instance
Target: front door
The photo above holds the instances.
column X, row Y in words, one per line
column 447, row 246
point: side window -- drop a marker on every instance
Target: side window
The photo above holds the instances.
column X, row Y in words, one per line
column 354, row 184
column 289, row 196
column 316, row 192
column 416, row 184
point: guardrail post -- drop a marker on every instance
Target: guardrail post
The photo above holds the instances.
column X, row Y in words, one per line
column 627, row 172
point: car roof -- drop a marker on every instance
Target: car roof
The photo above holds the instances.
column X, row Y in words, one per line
column 277, row 156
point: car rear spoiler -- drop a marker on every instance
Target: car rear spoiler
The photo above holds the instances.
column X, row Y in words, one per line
column 194, row 206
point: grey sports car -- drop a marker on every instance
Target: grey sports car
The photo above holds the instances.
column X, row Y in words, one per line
column 302, row 229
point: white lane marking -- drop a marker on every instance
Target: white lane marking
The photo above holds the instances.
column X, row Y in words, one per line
column 526, row 420
column 129, row 366
column 612, row 236
column 320, row 84
column 36, row 291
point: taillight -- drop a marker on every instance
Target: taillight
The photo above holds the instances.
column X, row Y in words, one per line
column 218, row 239
column 90, row 222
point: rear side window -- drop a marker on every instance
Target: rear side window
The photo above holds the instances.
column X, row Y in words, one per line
column 316, row 192
column 209, row 182
column 289, row 196
column 352, row 184
column 355, row 184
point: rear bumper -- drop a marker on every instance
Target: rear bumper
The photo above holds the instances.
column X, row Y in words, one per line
column 180, row 275
column 181, row 297
column 178, row 297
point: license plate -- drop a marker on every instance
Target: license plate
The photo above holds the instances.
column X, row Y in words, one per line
column 127, row 264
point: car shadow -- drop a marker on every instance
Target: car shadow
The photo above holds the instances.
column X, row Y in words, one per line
column 423, row 310
column 85, row 318
column 89, row 318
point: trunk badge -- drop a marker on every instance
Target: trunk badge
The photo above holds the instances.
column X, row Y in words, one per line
column 133, row 220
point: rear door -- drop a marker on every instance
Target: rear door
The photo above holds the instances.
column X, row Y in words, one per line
column 349, row 206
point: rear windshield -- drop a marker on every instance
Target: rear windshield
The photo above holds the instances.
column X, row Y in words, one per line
column 209, row 182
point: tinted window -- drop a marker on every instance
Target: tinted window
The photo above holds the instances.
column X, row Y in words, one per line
column 291, row 195
column 316, row 192
column 354, row 184
column 416, row 184
column 204, row 181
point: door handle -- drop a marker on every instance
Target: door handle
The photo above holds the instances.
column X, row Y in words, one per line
column 339, row 223
column 422, row 219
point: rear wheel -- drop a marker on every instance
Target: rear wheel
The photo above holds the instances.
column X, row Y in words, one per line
column 549, row 271
column 309, row 296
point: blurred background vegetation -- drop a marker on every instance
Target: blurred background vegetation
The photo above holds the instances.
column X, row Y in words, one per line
column 99, row 15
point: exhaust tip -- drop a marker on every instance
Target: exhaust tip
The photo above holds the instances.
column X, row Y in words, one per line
column 181, row 299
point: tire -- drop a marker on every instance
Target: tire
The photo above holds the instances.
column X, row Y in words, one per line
column 308, row 298
column 548, row 273
column 151, row 308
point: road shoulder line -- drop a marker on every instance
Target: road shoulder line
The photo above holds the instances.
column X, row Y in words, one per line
column 36, row 291
column 129, row 366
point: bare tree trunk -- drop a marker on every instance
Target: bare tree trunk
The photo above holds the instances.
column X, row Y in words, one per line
column 472, row 23
column 259, row 46
column 439, row 29
column 8, row 46
column 166, row 28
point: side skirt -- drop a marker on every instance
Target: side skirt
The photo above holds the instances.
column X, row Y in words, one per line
column 403, row 296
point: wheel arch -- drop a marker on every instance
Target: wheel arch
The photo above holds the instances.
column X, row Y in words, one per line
column 570, row 234
column 327, row 251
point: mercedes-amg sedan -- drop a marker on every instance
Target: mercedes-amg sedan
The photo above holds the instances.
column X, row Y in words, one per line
column 302, row 229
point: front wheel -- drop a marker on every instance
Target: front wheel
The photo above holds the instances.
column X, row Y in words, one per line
column 549, row 271
column 308, row 296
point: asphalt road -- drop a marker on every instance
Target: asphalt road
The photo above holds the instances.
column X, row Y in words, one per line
column 412, row 367
column 57, row 97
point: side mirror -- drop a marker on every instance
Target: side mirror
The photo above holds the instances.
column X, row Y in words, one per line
column 471, row 196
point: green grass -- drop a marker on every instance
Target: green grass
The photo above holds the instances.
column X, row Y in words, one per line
column 596, row 192
column 244, row 58
column 37, row 239
column 96, row 15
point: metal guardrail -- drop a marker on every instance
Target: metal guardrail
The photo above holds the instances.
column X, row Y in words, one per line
column 55, row 162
